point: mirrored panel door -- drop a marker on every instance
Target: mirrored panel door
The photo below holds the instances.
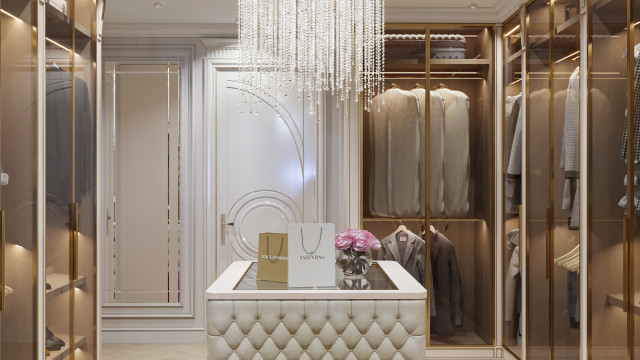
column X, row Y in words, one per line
column 142, row 253
column 18, row 189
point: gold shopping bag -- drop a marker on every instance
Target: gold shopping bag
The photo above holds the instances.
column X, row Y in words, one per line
column 272, row 257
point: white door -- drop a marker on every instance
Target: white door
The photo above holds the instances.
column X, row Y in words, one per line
column 266, row 167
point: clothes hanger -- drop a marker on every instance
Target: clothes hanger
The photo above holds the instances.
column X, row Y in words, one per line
column 401, row 228
column 567, row 260
column 575, row 251
column 419, row 86
column 442, row 86
column 395, row 86
column 432, row 229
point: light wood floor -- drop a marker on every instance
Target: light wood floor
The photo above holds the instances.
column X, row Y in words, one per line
column 154, row 351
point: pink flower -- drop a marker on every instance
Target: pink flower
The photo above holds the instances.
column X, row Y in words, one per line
column 344, row 240
column 360, row 240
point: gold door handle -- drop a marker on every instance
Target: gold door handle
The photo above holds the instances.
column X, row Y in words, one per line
column 549, row 250
column 73, row 241
column 626, row 296
column 2, row 259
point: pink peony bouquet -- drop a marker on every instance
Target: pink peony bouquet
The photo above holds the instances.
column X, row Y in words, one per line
column 358, row 240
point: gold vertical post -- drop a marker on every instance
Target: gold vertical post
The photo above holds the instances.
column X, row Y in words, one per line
column 427, row 177
column 551, row 209
column 525, row 119
column 2, row 259
column 628, row 271
column 587, row 172
column 73, row 232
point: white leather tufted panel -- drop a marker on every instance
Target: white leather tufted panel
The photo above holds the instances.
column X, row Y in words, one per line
column 316, row 329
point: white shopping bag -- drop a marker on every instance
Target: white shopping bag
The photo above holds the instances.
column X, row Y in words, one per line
column 312, row 255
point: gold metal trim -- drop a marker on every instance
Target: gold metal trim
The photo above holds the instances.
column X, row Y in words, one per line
column 525, row 120
column 3, row 245
column 628, row 256
column 427, row 176
column 587, row 172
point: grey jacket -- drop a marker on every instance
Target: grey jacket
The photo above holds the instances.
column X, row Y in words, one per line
column 447, row 286
column 413, row 259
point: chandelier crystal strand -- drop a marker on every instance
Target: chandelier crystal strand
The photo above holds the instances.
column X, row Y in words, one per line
column 312, row 46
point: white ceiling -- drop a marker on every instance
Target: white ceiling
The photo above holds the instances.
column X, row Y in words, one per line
column 216, row 18
column 442, row 4
column 226, row 11
column 173, row 12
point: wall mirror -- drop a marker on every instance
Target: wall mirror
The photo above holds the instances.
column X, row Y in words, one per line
column 142, row 248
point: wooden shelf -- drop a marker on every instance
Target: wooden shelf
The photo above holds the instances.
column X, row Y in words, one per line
column 618, row 301
column 66, row 350
column 460, row 65
column 59, row 29
column 60, row 284
column 516, row 55
column 571, row 26
column 609, row 13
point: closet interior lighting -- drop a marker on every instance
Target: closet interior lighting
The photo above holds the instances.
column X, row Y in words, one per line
column 569, row 56
column 58, row 44
column 515, row 82
column 512, row 30
column 9, row 14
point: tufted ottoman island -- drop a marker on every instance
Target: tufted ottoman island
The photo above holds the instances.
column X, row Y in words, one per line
column 380, row 318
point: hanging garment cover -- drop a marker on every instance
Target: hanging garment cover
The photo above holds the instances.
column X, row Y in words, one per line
column 437, row 152
column 447, row 286
column 456, row 152
column 410, row 254
column 512, row 183
column 636, row 115
column 394, row 137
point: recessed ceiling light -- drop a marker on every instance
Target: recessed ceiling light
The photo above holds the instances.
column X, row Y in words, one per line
column 159, row 4
column 473, row 6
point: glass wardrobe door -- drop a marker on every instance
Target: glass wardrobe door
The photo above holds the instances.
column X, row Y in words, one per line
column 635, row 239
column 608, row 101
column 461, row 72
column 512, row 116
column 393, row 169
column 565, row 218
column 85, row 178
column 18, row 154
column 59, row 178
column 538, row 172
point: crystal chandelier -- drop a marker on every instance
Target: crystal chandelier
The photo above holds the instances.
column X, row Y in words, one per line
column 312, row 46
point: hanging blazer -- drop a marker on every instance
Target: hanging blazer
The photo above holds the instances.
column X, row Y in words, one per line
column 447, row 286
column 413, row 259
column 394, row 138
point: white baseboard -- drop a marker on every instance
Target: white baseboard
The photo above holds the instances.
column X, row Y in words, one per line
column 153, row 336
